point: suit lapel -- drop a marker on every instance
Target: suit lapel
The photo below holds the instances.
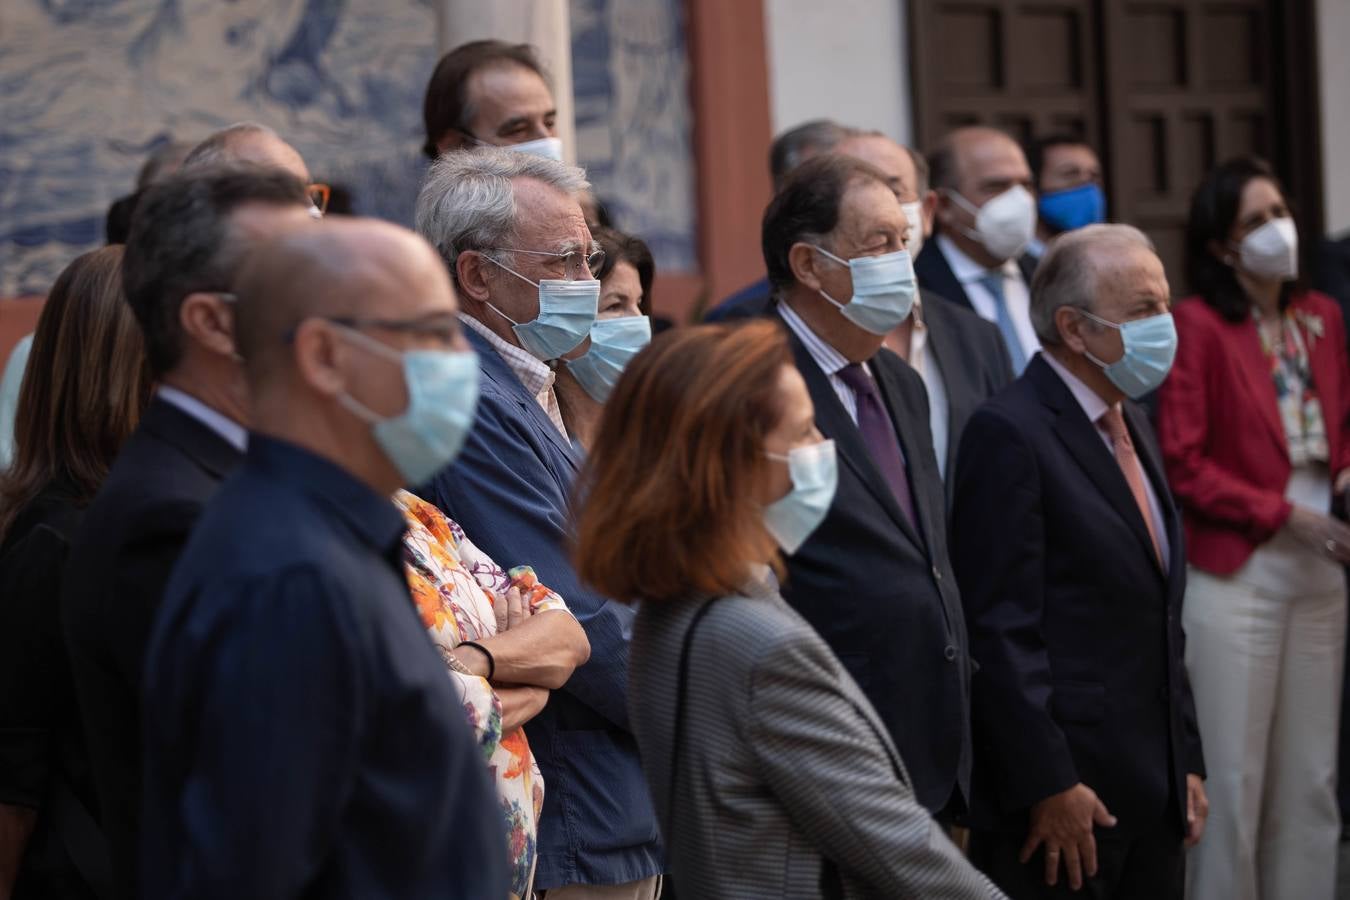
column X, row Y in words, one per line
column 1322, row 368
column 835, row 423
column 496, row 370
column 1255, row 368
column 909, row 420
column 1085, row 443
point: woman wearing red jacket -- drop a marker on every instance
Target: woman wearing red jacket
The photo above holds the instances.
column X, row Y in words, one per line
column 1254, row 423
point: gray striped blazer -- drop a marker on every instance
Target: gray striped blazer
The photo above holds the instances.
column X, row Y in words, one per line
column 787, row 784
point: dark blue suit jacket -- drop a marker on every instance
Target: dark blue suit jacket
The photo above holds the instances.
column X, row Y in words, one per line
column 1076, row 626
column 509, row 490
column 882, row 593
column 751, row 300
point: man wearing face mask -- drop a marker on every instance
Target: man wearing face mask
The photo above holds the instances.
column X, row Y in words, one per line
column 960, row 357
column 513, row 237
column 491, row 93
column 873, row 579
column 986, row 217
column 1068, row 179
column 1069, row 550
column 306, row 741
column 185, row 247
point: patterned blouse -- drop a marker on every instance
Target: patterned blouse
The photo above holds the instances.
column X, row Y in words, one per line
column 1300, row 410
column 455, row 586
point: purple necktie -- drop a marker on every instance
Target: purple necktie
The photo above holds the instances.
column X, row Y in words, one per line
column 879, row 435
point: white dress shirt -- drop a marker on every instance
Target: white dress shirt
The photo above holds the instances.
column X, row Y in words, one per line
column 532, row 372
column 1094, row 407
column 1016, row 293
column 228, row 429
column 926, row 364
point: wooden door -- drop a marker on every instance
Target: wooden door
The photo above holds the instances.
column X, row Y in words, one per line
column 1164, row 89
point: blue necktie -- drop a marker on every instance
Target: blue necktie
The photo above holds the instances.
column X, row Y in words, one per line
column 993, row 282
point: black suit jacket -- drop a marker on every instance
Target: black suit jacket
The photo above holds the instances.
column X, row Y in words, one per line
column 971, row 357
column 119, row 564
column 1075, row 623
column 882, row 594
column 973, row 361
column 935, row 274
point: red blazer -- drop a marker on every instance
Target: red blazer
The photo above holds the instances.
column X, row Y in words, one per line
column 1219, row 426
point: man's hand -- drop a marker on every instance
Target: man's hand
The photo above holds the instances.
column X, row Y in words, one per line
column 1197, row 809
column 1063, row 823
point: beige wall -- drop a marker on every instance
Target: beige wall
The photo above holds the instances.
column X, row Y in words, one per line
column 1333, row 35
column 845, row 60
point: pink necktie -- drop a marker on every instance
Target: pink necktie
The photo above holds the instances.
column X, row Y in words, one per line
column 1128, row 461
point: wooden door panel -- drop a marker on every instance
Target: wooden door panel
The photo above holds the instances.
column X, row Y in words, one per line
column 1164, row 89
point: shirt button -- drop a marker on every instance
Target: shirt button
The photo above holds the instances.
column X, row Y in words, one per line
column 949, row 653
column 937, row 575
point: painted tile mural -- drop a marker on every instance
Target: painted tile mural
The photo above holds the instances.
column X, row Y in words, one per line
column 631, row 83
column 89, row 87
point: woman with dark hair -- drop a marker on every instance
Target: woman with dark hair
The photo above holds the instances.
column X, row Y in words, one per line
column 771, row 773
column 1254, row 423
column 83, row 391
column 622, row 328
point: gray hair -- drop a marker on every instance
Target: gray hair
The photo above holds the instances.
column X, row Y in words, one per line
column 794, row 146
column 1068, row 274
column 216, row 148
column 468, row 200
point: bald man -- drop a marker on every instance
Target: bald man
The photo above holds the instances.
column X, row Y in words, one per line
column 249, row 143
column 304, row 740
column 986, row 218
column 961, row 357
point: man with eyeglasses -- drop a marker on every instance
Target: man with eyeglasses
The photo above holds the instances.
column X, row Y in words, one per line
column 187, row 241
column 511, row 232
column 304, row 740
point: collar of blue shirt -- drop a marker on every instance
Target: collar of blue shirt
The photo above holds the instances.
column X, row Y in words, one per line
column 370, row 516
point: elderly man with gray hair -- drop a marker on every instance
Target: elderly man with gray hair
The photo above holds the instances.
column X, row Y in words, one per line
column 1068, row 548
column 511, row 232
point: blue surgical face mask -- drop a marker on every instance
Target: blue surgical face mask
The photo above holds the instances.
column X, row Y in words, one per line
column 613, row 343
column 883, row 290
column 1150, row 347
column 566, row 313
column 815, row 475
column 442, row 397
column 1073, row 208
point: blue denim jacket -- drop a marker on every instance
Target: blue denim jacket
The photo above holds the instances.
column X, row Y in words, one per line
column 509, row 490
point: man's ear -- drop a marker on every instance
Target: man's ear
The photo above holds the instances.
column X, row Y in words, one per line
column 472, row 275
column 208, row 320
column 319, row 355
column 1070, row 324
column 803, row 260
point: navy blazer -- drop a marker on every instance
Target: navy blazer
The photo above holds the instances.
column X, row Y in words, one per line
column 509, row 490
column 119, row 564
column 750, row 301
column 1075, row 623
column 882, row 593
column 935, row 274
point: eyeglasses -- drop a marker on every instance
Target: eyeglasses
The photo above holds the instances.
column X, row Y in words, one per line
column 572, row 259
column 318, row 195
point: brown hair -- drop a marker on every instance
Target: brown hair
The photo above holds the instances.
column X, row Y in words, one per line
column 666, row 503
column 446, row 106
column 620, row 247
column 84, row 387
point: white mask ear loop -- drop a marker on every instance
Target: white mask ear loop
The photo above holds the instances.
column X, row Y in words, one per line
column 500, row 264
